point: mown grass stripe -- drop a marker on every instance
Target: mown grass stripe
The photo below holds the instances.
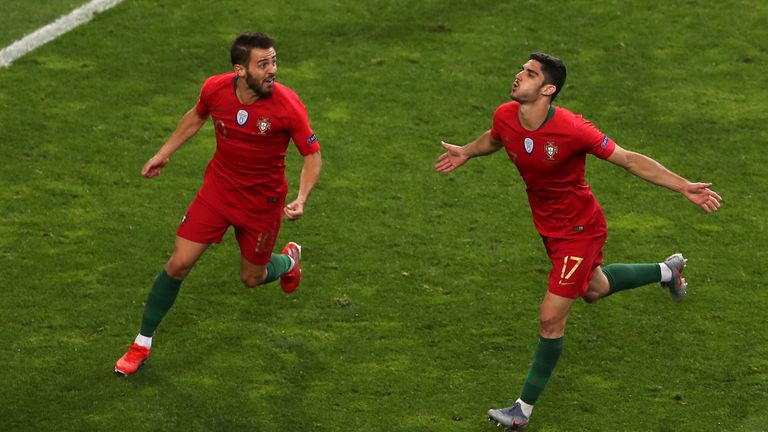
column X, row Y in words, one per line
column 47, row 33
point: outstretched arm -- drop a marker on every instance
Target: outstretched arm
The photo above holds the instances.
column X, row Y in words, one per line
column 654, row 172
column 310, row 173
column 456, row 156
column 188, row 126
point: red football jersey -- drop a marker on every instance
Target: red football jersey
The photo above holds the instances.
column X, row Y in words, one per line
column 551, row 162
column 248, row 168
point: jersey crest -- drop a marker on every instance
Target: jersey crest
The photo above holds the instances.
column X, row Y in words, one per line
column 528, row 144
column 242, row 117
column 263, row 125
column 551, row 150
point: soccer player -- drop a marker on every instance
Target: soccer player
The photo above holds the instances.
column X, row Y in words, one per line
column 548, row 145
column 244, row 186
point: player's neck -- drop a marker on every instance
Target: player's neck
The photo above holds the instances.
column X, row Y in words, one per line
column 244, row 94
column 533, row 114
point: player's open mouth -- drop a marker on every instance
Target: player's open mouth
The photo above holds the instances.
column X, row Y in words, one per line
column 269, row 81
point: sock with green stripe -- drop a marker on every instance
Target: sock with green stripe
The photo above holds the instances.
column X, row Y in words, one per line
column 278, row 265
column 159, row 301
column 627, row 276
column 544, row 361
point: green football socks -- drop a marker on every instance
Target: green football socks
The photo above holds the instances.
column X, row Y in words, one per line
column 628, row 276
column 278, row 265
column 544, row 360
column 165, row 289
column 159, row 301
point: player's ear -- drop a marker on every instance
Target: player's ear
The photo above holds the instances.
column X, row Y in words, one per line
column 239, row 70
column 548, row 90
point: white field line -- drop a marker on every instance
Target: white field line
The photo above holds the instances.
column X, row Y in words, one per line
column 53, row 30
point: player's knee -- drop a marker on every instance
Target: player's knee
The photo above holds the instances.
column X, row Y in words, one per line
column 251, row 280
column 551, row 325
column 177, row 268
column 599, row 287
column 591, row 297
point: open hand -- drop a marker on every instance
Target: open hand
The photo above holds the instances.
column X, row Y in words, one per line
column 704, row 197
column 450, row 160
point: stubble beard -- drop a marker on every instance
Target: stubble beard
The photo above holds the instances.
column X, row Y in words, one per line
column 522, row 98
column 257, row 87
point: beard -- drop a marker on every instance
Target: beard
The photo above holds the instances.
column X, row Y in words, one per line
column 522, row 97
column 261, row 88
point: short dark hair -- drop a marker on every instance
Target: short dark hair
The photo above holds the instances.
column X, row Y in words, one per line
column 553, row 68
column 240, row 53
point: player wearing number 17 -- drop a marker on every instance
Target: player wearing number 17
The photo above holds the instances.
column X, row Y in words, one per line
column 244, row 186
column 549, row 145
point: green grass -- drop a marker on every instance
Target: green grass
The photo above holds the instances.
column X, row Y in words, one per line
column 420, row 302
column 21, row 17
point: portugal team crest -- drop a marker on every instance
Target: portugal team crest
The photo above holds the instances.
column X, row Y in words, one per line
column 242, row 117
column 551, row 150
column 263, row 125
column 528, row 143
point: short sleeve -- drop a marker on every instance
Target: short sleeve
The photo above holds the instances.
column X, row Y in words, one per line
column 591, row 140
column 495, row 134
column 203, row 101
column 301, row 132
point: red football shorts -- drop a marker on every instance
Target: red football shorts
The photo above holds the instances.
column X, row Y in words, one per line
column 255, row 232
column 573, row 263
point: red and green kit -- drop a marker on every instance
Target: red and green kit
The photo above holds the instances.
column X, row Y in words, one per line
column 244, row 184
column 551, row 161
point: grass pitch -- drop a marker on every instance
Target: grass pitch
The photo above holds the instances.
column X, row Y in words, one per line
column 419, row 307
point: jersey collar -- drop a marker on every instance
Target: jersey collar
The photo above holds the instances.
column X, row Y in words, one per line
column 550, row 114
